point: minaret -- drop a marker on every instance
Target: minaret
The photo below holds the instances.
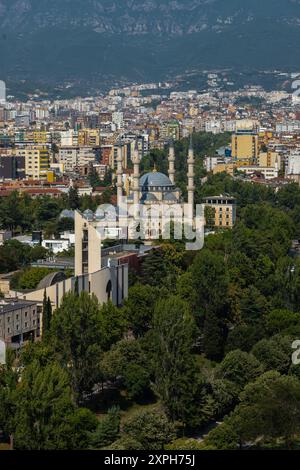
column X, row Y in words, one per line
column 136, row 175
column 119, row 174
column 276, row 165
column 191, row 175
column 172, row 162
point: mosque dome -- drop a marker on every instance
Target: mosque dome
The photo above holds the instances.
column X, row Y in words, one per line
column 149, row 197
column 88, row 214
column 154, row 180
column 67, row 214
column 106, row 211
column 170, row 197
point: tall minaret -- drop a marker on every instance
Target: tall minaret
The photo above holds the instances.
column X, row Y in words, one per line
column 172, row 162
column 119, row 174
column 136, row 175
column 191, row 175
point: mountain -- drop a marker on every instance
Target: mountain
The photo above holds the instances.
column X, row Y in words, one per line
column 55, row 40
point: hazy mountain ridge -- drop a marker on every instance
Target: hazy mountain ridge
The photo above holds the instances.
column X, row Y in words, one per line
column 144, row 39
column 143, row 16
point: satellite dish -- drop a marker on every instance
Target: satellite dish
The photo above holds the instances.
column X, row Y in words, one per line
column 2, row 353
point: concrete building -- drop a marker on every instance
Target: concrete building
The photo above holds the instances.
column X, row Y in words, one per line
column 269, row 160
column 56, row 246
column 267, row 172
column 37, row 161
column 211, row 162
column 245, row 145
column 293, row 163
column 170, row 130
column 88, row 138
column 12, row 167
column 68, row 157
column 19, row 322
column 225, row 210
column 73, row 157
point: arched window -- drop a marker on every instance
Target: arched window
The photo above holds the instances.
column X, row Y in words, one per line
column 108, row 290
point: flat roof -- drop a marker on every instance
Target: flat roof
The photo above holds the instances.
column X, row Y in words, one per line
column 15, row 305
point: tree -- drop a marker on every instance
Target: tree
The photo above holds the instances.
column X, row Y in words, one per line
column 244, row 337
column 269, row 408
column 282, row 321
column 47, row 313
column 175, row 376
column 45, row 415
column 94, row 178
column 211, row 281
column 153, row 269
column 8, row 383
column 73, row 197
column 113, row 324
column 107, row 430
column 30, row 278
column 213, row 336
column 151, row 429
column 77, row 335
column 210, row 217
column 240, row 368
column 223, row 437
column 127, row 363
column 274, row 353
column 139, row 308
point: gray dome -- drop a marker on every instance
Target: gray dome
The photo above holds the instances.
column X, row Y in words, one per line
column 148, row 197
column 88, row 214
column 170, row 197
column 67, row 214
column 106, row 211
column 150, row 180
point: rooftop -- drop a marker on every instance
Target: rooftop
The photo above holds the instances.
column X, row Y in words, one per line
column 10, row 306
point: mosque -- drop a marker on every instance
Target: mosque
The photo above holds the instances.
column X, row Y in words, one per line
column 138, row 212
column 156, row 188
column 154, row 192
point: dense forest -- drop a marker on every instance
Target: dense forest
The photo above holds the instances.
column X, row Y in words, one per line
column 204, row 341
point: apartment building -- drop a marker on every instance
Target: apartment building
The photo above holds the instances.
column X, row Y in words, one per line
column 224, row 210
column 19, row 321
column 37, row 161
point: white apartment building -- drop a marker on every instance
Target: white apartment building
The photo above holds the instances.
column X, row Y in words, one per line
column 72, row 157
column 268, row 172
column 68, row 157
column 211, row 162
column 293, row 163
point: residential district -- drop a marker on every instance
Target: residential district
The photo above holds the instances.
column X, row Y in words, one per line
column 66, row 165
column 96, row 144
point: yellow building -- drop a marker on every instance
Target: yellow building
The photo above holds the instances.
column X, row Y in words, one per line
column 50, row 176
column 170, row 130
column 269, row 159
column 230, row 167
column 37, row 161
column 89, row 138
column 224, row 210
column 245, row 145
